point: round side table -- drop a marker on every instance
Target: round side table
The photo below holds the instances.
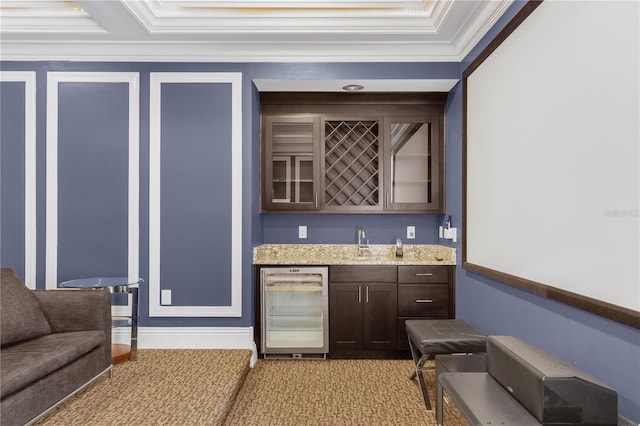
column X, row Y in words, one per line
column 119, row 352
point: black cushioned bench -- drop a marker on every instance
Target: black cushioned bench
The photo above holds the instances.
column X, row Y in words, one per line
column 428, row 338
column 525, row 385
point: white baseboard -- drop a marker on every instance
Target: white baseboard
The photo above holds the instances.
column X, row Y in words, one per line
column 189, row 337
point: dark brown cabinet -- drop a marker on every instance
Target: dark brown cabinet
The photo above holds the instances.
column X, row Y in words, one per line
column 424, row 292
column 352, row 153
column 368, row 305
column 365, row 153
column 413, row 163
column 290, row 180
column 380, row 312
column 362, row 308
column 346, row 322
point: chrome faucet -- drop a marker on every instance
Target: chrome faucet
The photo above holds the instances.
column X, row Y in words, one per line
column 399, row 250
column 361, row 244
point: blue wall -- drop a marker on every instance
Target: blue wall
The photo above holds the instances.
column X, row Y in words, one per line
column 343, row 229
column 12, row 184
column 92, row 179
column 93, row 139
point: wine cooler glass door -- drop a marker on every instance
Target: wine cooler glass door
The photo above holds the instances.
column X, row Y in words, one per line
column 294, row 310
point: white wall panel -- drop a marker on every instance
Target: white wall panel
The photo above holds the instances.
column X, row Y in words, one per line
column 131, row 189
column 177, row 128
column 29, row 80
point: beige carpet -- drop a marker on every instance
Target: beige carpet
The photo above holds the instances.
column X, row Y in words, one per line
column 332, row 392
column 163, row 387
column 198, row 387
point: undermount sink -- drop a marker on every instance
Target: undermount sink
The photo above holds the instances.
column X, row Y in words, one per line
column 370, row 252
column 387, row 253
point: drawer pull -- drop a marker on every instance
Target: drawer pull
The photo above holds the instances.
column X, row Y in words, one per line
column 424, row 300
column 425, row 274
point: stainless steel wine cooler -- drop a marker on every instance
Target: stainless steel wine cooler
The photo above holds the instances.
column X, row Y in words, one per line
column 295, row 304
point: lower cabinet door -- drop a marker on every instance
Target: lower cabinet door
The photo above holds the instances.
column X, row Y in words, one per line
column 363, row 317
column 345, row 317
column 380, row 316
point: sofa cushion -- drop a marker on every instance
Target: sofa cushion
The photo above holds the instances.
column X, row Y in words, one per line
column 21, row 316
column 25, row 362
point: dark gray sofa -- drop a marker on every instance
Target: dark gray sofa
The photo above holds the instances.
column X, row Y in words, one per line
column 53, row 344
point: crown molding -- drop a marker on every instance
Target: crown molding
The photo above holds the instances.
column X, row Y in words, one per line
column 225, row 52
column 127, row 30
column 331, row 4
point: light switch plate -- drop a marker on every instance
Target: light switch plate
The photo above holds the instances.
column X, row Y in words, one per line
column 302, row 231
column 411, row 232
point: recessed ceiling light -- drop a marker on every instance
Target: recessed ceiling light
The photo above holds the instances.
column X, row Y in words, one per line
column 352, row 87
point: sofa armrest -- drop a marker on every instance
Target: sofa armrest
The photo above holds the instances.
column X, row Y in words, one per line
column 76, row 310
column 80, row 310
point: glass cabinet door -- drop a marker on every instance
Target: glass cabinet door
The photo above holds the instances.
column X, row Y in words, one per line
column 413, row 165
column 290, row 158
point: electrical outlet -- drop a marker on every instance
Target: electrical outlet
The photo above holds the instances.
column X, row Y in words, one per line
column 165, row 297
column 411, row 232
column 302, row 231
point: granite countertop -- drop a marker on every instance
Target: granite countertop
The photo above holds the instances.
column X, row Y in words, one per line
column 347, row 254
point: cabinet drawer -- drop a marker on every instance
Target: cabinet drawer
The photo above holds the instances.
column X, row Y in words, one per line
column 423, row 300
column 423, row 274
column 363, row 274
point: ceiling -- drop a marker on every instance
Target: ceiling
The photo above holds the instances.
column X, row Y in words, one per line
column 245, row 30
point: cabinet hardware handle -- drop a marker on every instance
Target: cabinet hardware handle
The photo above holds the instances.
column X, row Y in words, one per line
column 426, row 274
column 316, row 200
column 359, row 294
column 367, row 294
column 424, row 300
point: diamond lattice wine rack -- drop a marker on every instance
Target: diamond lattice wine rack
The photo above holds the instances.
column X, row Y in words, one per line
column 351, row 163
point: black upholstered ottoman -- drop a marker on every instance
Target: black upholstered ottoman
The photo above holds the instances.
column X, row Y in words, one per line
column 428, row 338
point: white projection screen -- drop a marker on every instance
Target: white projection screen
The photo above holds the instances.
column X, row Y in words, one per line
column 551, row 158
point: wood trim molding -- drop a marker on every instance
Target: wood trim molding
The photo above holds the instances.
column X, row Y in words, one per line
column 53, row 81
column 29, row 80
column 607, row 310
column 156, row 309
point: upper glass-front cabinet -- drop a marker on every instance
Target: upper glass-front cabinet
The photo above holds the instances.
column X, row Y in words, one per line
column 290, row 163
column 346, row 153
column 413, row 168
